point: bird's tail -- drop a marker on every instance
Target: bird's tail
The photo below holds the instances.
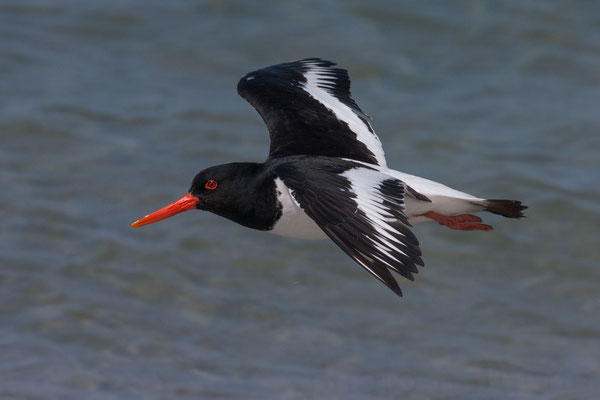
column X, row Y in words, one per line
column 506, row 208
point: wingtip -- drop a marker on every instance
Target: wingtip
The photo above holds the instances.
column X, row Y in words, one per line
column 321, row 62
column 394, row 287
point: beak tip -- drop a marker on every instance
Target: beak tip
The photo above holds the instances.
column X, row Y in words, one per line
column 139, row 222
column 187, row 202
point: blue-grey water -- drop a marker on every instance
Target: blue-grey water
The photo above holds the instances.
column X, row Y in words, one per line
column 109, row 108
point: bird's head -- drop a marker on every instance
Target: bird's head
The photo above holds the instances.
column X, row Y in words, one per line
column 216, row 189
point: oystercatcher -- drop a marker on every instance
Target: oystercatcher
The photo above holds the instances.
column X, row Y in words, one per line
column 326, row 176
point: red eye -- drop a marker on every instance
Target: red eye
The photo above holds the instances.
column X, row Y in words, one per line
column 211, row 184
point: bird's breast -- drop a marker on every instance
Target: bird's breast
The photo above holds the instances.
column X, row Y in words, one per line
column 293, row 221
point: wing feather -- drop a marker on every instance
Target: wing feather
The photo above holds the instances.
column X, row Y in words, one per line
column 361, row 209
column 308, row 109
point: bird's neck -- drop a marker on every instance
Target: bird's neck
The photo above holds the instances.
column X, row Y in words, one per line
column 254, row 204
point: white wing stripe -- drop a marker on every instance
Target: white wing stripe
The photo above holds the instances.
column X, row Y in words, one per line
column 364, row 186
column 319, row 75
column 386, row 249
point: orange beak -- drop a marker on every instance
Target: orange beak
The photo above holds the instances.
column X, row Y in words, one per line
column 187, row 202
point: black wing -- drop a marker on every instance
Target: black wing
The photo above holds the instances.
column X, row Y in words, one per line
column 361, row 209
column 308, row 110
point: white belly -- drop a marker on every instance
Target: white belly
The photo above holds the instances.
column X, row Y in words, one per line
column 444, row 200
column 294, row 222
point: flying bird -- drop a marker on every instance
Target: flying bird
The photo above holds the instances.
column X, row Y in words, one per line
column 326, row 176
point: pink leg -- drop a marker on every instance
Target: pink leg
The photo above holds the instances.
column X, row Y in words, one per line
column 464, row 222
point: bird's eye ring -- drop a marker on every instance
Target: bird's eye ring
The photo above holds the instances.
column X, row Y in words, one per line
column 211, row 184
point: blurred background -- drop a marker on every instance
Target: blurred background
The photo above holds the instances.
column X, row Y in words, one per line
column 109, row 108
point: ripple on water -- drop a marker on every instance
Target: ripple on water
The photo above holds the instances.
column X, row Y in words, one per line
column 108, row 111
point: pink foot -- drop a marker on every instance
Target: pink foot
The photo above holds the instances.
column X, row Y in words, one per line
column 464, row 222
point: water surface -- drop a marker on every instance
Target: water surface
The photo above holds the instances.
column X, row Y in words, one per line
column 108, row 109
